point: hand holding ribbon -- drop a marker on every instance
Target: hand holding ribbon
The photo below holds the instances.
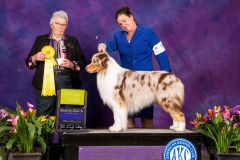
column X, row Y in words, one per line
column 48, row 87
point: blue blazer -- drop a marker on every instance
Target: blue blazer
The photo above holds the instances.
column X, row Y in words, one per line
column 137, row 54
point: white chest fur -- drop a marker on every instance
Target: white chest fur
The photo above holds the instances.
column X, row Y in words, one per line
column 107, row 81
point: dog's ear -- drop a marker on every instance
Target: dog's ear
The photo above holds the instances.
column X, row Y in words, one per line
column 102, row 55
column 106, row 53
column 104, row 61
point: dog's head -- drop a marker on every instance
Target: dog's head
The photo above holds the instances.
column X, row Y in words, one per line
column 98, row 63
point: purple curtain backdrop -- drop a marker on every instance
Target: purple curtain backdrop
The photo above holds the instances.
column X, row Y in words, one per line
column 201, row 36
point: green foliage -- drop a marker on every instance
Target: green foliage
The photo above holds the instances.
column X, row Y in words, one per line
column 221, row 126
column 23, row 131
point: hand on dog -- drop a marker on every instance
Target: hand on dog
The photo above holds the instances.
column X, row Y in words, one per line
column 102, row 47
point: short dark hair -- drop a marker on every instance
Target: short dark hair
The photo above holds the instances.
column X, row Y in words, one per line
column 124, row 10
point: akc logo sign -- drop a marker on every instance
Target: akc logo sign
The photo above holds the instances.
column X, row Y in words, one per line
column 180, row 149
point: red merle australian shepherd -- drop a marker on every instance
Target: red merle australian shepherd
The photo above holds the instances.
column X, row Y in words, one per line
column 127, row 92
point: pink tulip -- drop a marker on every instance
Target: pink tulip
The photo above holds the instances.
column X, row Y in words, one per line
column 235, row 125
column 31, row 107
column 14, row 120
column 226, row 113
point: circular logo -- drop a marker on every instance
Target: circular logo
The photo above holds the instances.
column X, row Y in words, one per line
column 180, row 149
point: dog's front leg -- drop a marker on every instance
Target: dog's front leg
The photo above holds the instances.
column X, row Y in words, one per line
column 120, row 119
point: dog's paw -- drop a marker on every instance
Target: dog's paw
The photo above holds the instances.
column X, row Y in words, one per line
column 115, row 128
column 174, row 126
column 179, row 130
column 181, row 127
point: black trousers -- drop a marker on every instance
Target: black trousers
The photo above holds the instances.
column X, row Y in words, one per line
column 46, row 105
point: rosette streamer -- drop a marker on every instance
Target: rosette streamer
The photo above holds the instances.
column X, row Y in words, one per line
column 48, row 87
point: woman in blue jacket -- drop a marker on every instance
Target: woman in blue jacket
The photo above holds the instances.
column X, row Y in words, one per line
column 135, row 45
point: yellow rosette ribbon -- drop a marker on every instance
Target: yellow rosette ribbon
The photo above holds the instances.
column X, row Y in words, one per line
column 48, row 87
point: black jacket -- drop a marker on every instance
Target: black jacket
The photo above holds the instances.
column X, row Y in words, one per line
column 73, row 53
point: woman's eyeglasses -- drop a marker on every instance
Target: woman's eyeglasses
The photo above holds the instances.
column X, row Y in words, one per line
column 59, row 24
